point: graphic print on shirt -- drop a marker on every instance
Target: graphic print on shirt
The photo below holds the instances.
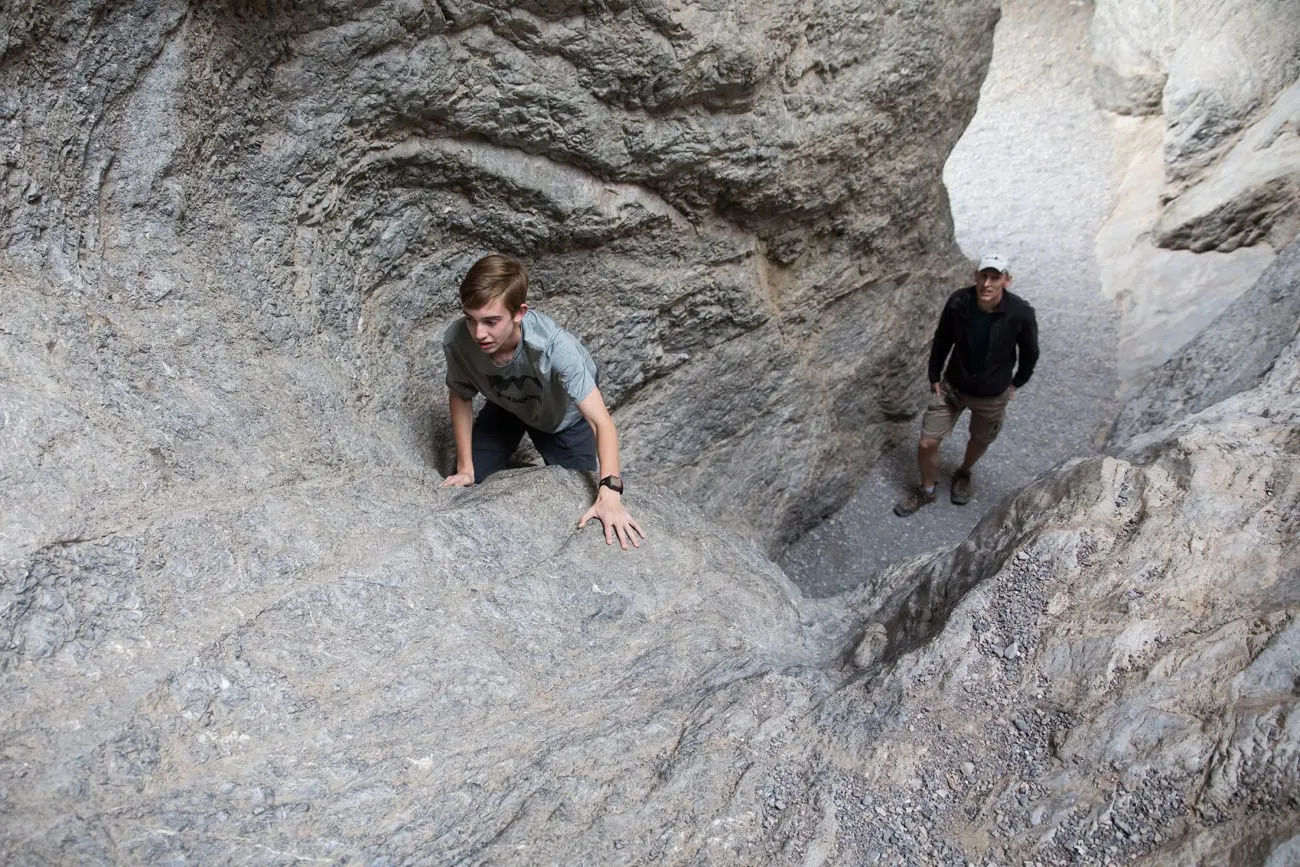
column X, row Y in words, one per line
column 516, row 389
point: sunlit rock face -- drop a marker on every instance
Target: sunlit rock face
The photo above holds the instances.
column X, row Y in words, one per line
column 737, row 206
column 1232, row 354
column 1206, row 95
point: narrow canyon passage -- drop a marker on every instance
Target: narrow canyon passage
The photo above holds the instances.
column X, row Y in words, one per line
column 1029, row 178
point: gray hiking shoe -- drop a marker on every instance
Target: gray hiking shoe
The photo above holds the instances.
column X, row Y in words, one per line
column 913, row 501
column 960, row 488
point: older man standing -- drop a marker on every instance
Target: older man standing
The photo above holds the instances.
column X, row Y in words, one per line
column 984, row 348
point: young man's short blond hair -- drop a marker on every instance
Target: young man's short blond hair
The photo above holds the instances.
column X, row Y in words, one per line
column 493, row 277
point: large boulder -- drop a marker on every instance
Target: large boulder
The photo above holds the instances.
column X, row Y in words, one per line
column 738, row 207
column 371, row 669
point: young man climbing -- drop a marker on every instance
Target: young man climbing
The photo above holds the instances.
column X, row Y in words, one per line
column 985, row 347
column 536, row 377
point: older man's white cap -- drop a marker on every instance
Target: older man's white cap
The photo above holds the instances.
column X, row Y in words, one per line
column 994, row 260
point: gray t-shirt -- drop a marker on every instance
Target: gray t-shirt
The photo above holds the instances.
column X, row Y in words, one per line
column 550, row 373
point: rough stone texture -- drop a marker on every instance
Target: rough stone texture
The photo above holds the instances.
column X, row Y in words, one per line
column 1211, row 166
column 369, row 670
column 1104, row 672
column 1209, row 66
column 1248, row 195
column 363, row 668
column 1229, row 356
column 240, row 623
column 1165, row 297
column 738, row 207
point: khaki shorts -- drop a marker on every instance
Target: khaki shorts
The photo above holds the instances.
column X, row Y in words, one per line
column 985, row 414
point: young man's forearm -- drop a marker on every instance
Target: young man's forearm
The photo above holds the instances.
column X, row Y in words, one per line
column 593, row 409
column 608, row 508
column 462, row 428
column 607, row 448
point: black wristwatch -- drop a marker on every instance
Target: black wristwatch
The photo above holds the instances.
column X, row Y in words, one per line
column 614, row 483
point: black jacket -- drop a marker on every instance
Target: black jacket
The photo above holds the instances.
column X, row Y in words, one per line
column 1013, row 345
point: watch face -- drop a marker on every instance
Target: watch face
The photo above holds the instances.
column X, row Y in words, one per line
column 614, row 483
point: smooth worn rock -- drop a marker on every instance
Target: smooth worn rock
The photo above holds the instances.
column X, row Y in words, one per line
column 1208, row 66
column 375, row 669
column 1233, row 354
column 1165, row 297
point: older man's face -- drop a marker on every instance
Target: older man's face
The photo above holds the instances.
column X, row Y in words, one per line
column 989, row 286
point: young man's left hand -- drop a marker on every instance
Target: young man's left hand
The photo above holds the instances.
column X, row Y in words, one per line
column 613, row 515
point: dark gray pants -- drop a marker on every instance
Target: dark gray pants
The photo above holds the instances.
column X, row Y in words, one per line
column 497, row 434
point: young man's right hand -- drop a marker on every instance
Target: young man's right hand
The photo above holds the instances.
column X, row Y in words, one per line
column 614, row 517
column 458, row 480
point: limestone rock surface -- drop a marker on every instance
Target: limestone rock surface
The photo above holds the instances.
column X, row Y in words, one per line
column 1209, row 164
column 370, row 669
column 738, row 207
column 1231, row 355
column 1165, row 297
column 1104, row 672
column 1208, row 66
column 364, row 667
column 241, row 623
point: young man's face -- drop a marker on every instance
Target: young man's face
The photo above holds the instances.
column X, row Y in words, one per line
column 494, row 328
column 989, row 285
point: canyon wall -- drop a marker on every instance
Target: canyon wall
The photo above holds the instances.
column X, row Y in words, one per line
column 362, row 667
column 240, row 622
column 738, row 207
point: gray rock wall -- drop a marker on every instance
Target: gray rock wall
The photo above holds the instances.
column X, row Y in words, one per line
column 368, row 669
column 1210, row 67
column 739, row 208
